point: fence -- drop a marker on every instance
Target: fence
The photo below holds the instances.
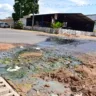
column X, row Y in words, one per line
column 62, row 31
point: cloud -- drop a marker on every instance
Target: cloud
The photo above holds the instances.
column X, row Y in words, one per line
column 5, row 10
column 6, row 7
column 79, row 2
column 53, row 6
column 4, row 15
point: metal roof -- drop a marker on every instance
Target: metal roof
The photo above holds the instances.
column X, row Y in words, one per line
column 92, row 16
column 76, row 16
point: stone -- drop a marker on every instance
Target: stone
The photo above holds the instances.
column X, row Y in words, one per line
column 77, row 94
column 21, row 47
column 47, row 85
column 37, row 48
column 53, row 95
column 38, row 93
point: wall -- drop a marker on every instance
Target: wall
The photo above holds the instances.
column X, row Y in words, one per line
column 23, row 21
column 95, row 27
column 93, row 17
column 62, row 31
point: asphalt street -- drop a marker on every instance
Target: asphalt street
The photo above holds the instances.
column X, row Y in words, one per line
column 20, row 36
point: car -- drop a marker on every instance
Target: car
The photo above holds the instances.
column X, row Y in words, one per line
column 4, row 25
column 0, row 24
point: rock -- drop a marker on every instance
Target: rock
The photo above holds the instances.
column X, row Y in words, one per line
column 38, row 93
column 47, row 85
column 46, row 78
column 37, row 48
column 77, row 94
column 67, row 62
column 21, row 47
column 53, row 95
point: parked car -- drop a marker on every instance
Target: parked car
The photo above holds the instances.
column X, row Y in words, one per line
column 0, row 24
column 4, row 25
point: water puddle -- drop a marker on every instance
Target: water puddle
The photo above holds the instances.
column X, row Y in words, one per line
column 33, row 61
column 82, row 46
column 45, row 57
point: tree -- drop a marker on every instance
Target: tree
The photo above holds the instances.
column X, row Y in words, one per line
column 24, row 7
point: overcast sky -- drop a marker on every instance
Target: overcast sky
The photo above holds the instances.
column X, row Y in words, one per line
column 53, row 6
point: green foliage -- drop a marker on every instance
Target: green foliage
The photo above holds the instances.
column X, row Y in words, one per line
column 15, row 16
column 19, row 74
column 18, row 25
column 5, row 61
column 57, row 25
column 24, row 7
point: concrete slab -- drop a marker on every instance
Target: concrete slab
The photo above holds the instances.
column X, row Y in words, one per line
column 6, row 89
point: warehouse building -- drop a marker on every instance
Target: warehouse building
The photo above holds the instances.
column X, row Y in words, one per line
column 93, row 17
column 74, row 21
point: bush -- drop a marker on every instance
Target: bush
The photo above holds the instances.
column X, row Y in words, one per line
column 18, row 25
column 57, row 25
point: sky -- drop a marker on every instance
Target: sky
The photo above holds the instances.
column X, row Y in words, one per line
column 53, row 6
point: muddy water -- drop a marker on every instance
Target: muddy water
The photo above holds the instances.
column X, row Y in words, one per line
column 78, row 46
column 82, row 46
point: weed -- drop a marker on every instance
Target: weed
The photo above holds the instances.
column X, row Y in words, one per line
column 19, row 74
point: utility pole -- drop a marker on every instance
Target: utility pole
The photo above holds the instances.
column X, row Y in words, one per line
column 33, row 14
column 20, row 8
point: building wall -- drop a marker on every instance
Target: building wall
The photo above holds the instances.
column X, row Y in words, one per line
column 23, row 21
column 93, row 17
column 74, row 21
column 95, row 27
column 61, row 31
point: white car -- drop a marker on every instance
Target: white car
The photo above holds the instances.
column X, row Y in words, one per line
column 4, row 25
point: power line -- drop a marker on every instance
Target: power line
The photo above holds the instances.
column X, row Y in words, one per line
column 84, row 5
column 65, row 5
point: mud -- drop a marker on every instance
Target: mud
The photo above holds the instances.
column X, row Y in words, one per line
column 84, row 79
column 63, row 69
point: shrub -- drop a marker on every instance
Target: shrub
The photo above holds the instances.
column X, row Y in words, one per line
column 57, row 25
column 18, row 25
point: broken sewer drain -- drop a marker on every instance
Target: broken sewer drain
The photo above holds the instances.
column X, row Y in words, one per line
column 5, row 89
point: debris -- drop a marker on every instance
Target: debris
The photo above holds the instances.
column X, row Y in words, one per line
column 78, row 94
column 37, row 48
column 38, row 93
column 52, row 69
column 46, row 85
column 16, row 68
column 21, row 47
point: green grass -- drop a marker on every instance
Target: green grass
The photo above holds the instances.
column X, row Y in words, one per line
column 5, row 61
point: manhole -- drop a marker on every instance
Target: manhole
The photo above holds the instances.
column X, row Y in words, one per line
column 5, row 89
